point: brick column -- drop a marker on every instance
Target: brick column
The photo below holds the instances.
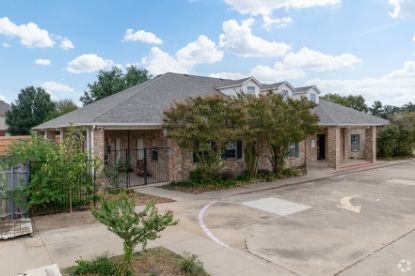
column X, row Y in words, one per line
column 333, row 147
column 347, row 142
column 175, row 160
column 98, row 149
column 311, row 150
column 370, row 144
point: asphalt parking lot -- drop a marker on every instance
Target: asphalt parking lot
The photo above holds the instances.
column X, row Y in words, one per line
column 357, row 224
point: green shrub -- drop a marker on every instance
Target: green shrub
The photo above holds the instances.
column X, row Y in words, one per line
column 101, row 266
column 190, row 265
column 196, row 176
column 132, row 227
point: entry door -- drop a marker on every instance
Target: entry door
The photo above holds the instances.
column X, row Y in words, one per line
column 321, row 147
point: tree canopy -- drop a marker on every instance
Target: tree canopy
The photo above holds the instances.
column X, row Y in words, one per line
column 32, row 107
column 356, row 102
column 114, row 81
column 62, row 107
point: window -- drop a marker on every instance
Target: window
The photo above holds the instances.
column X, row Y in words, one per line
column 203, row 153
column 294, row 150
column 233, row 150
column 355, row 142
column 250, row 90
column 313, row 98
column 285, row 94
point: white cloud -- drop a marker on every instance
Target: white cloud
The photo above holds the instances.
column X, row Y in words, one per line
column 159, row 62
column 265, row 7
column 42, row 61
column 6, row 45
column 203, row 50
column 4, row 99
column 269, row 22
column 142, row 36
column 239, row 40
column 66, row 44
column 52, row 86
column 402, row 8
column 228, row 75
column 30, row 34
column 88, row 63
column 395, row 88
column 308, row 59
column 276, row 73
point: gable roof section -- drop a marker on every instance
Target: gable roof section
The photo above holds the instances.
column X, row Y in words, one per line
column 233, row 83
column 276, row 85
column 142, row 104
column 304, row 89
column 332, row 114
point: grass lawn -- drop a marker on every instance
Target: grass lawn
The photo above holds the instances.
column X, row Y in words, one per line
column 155, row 261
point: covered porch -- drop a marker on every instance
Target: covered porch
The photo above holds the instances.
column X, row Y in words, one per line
column 341, row 147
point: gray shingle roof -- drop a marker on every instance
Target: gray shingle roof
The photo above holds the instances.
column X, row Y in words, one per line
column 303, row 88
column 146, row 102
column 332, row 114
column 140, row 104
column 4, row 107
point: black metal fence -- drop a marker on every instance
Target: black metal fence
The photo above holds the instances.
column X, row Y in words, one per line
column 40, row 187
column 134, row 167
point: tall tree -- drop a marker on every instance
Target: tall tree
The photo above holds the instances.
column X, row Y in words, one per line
column 62, row 107
column 113, row 81
column 355, row 102
column 384, row 111
column 32, row 107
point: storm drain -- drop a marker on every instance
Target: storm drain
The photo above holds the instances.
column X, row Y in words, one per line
column 276, row 206
column 402, row 181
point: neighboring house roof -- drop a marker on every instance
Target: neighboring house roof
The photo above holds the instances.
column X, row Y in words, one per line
column 144, row 104
column 233, row 83
column 306, row 88
column 4, row 107
column 332, row 114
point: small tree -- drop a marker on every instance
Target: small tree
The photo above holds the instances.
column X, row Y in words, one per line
column 133, row 228
column 286, row 121
column 203, row 126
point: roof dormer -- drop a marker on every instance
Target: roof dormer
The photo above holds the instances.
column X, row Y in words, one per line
column 311, row 93
column 248, row 85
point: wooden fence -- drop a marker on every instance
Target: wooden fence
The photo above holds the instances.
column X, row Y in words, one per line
column 6, row 141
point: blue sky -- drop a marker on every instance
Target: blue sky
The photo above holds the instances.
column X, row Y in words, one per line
column 344, row 46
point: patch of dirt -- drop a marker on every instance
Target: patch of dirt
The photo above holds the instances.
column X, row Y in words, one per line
column 139, row 198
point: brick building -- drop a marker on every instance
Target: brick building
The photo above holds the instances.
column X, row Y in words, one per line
column 128, row 126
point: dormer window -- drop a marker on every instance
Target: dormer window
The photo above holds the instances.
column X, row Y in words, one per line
column 313, row 98
column 250, row 90
column 285, row 94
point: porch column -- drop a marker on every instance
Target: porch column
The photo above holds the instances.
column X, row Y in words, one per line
column 333, row 147
column 370, row 144
column 62, row 133
column 175, row 161
column 98, row 143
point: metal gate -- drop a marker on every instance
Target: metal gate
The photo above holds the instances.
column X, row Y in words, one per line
column 13, row 205
column 135, row 167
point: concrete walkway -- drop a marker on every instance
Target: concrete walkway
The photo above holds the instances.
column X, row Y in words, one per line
column 64, row 238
